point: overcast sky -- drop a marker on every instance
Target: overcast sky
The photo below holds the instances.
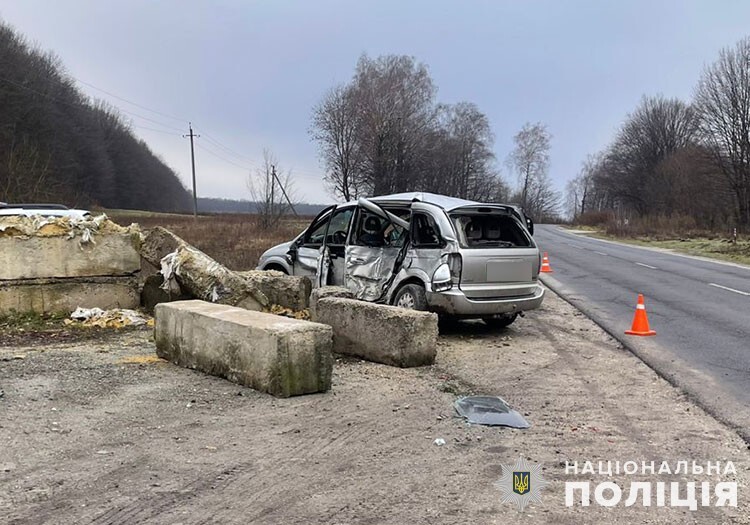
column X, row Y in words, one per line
column 248, row 73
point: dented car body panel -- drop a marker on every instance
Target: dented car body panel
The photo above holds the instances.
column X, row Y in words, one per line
column 474, row 260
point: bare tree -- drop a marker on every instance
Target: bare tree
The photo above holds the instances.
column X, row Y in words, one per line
column 267, row 186
column 722, row 100
column 530, row 161
column 657, row 128
column 335, row 127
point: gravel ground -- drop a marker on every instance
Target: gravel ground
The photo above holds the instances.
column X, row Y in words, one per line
column 104, row 432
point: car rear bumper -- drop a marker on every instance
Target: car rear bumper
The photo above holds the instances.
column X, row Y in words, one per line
column 453, row 302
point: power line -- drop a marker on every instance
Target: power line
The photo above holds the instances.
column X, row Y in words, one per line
column 73, row 104
column 128, row 101
column 210, row 152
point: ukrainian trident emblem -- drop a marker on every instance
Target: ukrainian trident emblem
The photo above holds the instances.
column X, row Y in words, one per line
column 521, row 483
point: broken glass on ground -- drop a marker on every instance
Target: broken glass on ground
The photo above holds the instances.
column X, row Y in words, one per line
column 489, row 410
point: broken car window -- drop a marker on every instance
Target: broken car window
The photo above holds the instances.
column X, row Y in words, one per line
column 375, row 231
column 484, row 230
column 339, row 228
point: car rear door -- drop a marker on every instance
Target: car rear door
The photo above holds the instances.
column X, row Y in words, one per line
column 499, row 256
column 374, row 250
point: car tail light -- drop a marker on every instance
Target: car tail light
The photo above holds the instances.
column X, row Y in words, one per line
column 456, row 265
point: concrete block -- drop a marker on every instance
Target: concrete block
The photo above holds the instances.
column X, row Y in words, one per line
column 282, row 289
column 327, row 291
column 284, row 357
column 48, row 257
column 376, row 332
column 65, row 295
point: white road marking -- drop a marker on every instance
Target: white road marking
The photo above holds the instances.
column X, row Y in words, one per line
column 647, row 266
column 601, row 253
column 729, row 289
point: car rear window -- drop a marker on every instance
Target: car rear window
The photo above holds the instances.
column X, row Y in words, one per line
column 489, row 230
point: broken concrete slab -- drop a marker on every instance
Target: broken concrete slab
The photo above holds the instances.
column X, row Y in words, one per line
column 157, row 243
column 198, row 274
column 327, row 291
column 46, row 257
column 381, row 333
column 65, row 295
column 281, row 356
column 289, row 291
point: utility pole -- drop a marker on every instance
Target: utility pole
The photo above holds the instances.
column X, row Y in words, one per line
column 192, row 161
column 284, row 192
column 273, row 187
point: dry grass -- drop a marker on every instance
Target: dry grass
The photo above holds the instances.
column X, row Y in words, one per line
column 235, row 240
column 681, row 233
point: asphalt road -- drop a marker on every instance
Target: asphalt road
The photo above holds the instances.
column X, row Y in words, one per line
column 699, row 308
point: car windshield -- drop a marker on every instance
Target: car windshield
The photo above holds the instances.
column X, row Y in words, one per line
column 484, row 230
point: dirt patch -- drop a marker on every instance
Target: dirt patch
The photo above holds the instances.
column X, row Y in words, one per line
column 89, row 439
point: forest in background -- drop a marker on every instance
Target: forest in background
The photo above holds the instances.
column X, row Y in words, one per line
column 673, row 165
column 57, row 145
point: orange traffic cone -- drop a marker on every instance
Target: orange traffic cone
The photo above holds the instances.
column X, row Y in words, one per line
column 546, row 268
column 640, row 320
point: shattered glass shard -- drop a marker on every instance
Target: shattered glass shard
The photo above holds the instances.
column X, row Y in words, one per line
column 489, row 410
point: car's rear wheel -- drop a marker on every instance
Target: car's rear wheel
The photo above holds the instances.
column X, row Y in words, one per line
column 501, row 321
column 411, row 296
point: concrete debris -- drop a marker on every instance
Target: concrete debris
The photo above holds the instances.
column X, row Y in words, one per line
column 68, row 227
column 205, row 279
column 188, row 272
column 303, row 315
column 439, row 442
column 116, row 318
column 291, row 292
column 153, row 293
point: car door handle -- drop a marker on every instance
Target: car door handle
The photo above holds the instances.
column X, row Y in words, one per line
column 358, row 260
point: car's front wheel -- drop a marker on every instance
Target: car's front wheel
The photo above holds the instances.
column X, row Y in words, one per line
column 501, row 321
column 411, row 296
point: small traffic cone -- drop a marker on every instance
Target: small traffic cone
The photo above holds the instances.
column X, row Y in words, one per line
column 546, row 268
column 640, row 320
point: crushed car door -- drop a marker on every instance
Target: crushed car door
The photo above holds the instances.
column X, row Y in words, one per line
column 306, row 252
column 376, row 244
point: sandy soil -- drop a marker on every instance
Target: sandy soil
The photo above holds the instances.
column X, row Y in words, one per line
column 104, row 432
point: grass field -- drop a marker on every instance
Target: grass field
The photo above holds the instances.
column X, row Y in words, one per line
column 235, row 240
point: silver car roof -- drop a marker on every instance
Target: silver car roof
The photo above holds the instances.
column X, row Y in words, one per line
column 443, row 201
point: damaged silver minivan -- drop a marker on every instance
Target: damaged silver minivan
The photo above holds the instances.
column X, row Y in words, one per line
column 455, row 257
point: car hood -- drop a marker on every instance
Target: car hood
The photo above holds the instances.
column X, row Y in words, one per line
column 279, row 249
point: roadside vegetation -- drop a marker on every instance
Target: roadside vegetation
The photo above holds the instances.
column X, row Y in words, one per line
column 236, row 240
column 677, row 171
column 679, row 233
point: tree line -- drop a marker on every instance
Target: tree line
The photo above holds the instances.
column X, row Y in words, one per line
column 58, row 146
column 678, row 159
column 384, row 132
